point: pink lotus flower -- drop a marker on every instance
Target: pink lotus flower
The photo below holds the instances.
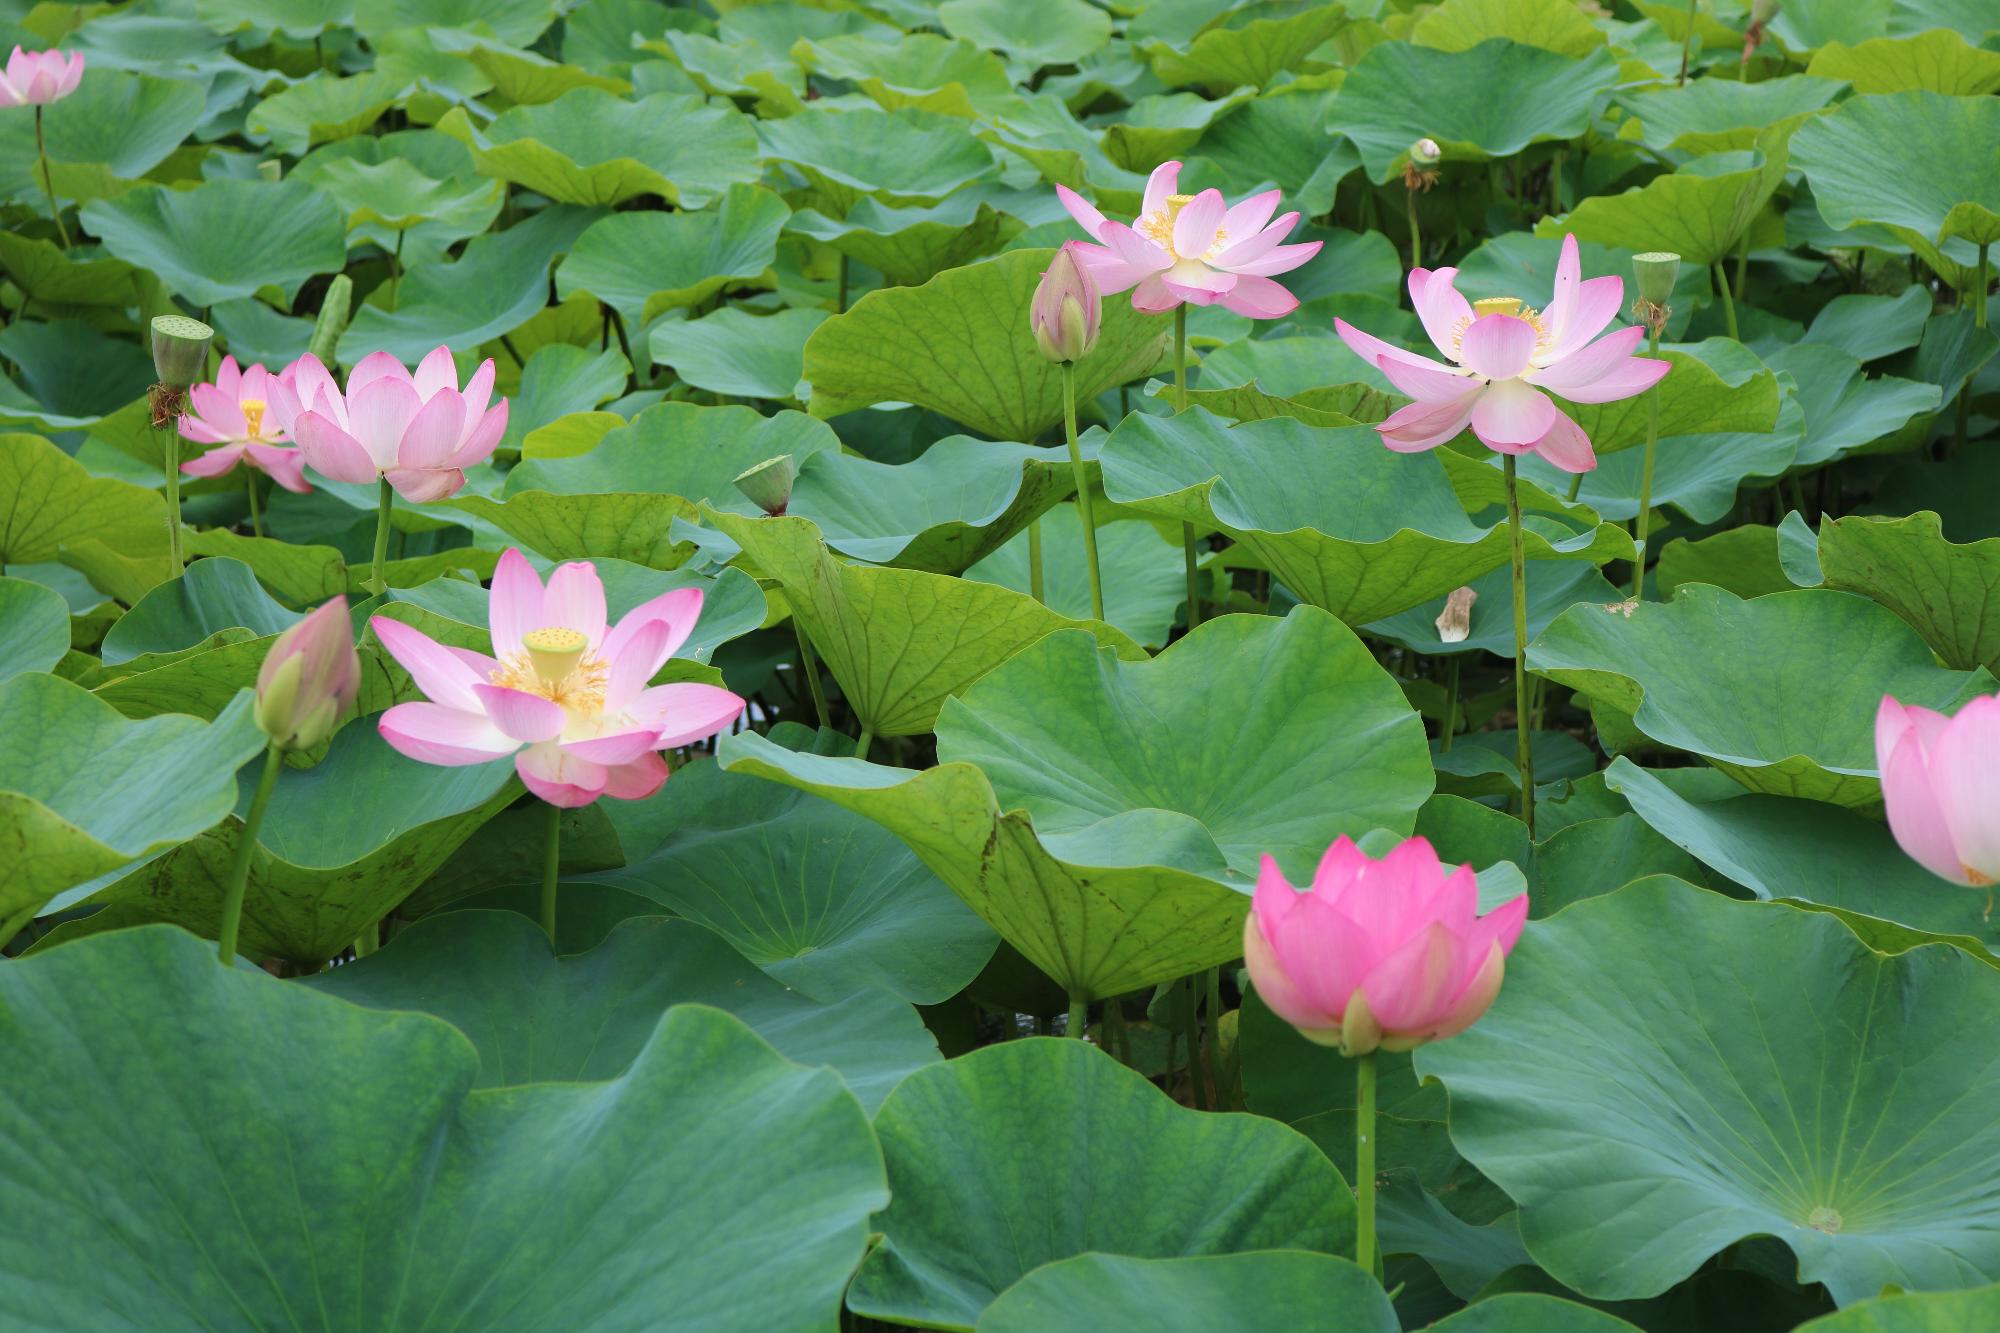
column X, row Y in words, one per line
column 1941, row 784
column 1504, row 357
column 36, row 78
column 563, row 694
column 417, row 430
column 234, row 413
column 1068, row 307
column 1387, row 953
column 1195, row 248
column 310, row 677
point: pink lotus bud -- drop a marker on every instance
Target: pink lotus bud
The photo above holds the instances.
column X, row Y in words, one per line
column 1387, row 953
column 1067, row 308
column 36, row 78
column 1941, row 784
column 309, row 679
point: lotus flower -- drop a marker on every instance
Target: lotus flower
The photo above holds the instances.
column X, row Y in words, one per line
column 1504, row 357
column 419, row 431
column 36, row 78
column 1941, row 784
column 1387, row 953
column 309, row 679
column 563, row 694
column 1195, row 248
column 1068, row 307
column 234, row 413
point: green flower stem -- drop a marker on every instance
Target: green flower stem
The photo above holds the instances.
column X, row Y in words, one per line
column 1416, row 235
column 1645, row 515
column 1180, row 405
column 1728, row 302
column 385, row 500
column 1979, row 290
column 170, row 461
column 48, row 186
column 239, row 866
column 1083, row 500
column 1212, row 980
column 1523, row 752
column 1036, row 588
column 250, row 485
column 809, row 664
column 1687, row 41
column 396, row 267
column 551, row 860
column 867, row 739
column 1575, row 487
column 1742, row 263
column 1450, row 707
column 1364, row 1163
column 1079, row 1015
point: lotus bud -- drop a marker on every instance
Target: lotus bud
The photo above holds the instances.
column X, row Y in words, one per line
column 1420, row 172
column 1941, row 787
column 769, row 483
column 309, row 679
column 1455, row 621
column 1656, row 271
column 1067, row 308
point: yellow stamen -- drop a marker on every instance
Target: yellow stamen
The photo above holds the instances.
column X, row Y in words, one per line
column 557, row 665
column 1509, row 306
column 253, row 416
column 1159, row 227
column 1497, row 305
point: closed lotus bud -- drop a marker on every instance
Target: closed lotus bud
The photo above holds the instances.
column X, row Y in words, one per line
column 1426, row 153
column 309, row 679
column 769, row 483
column 1455, row 621
column 1385, row 954
column 180, row 349
column 1657, row 272
column 1941, row 787
column 1067, row 308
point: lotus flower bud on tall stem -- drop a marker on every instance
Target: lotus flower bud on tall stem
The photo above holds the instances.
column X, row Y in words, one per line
column 1068, row 308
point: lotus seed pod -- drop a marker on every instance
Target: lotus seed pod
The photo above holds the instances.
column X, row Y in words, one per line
column 1426, row 153
column 1656, row 272
column 180, row 349
column 769, row 483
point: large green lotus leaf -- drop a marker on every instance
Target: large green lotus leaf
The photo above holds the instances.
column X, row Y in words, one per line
column 724, row 70
column 628, row 525
column 397, row 196
column 677, row 449
column 561, row 380
column 259, row 1186
column 34, row 627
column 912, row 245
column 1703, row 394
column 1844, row 409
column 1042, row 130
column 301, row 574
column 44, row 272
column 524, row 78
column 1165, row 125
column 224, row 238
column 1458, row 25
column 1746, row 560
column 321, row 109
column 1667, row 1071
column 1530, row 1312
column 1699, row 474
column 1718, row 676
column 737, row 353
column 1949, row 593
column 588, row 147
column 1802, row 852
column 1246, row 48
column 494, row 287
column 1869, row 327
column 213, row 595
column 642, row 264
column 84, row 790
column 538, row 1018
column 1925, row 164
column 1347, row 525
column 904, row 156
column 115, row 126
column 55, row 504
column 1258, row 1289
column 73, row 370
column 1034, row 32
column 1144, row 575
column 518, row 22
column 301, row 20
column 1721, row 115
column 1700, row 215
column 1915, row 1312
column 1553, row 588
column 1527, row 95
column 960, row 345
column 1938, row 61
column 899, row 641
column 1050, row 1184
column 827, row 902
column 921, row 71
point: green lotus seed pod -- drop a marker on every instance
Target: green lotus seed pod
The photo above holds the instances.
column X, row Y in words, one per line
column 180, row 349
column 1656, row 272
column 769, row 483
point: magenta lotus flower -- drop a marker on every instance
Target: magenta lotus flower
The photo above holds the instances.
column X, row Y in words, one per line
column 1388, row 953
column 309, row 679
column 419, row 431
column 1941, row 784
column 562, row 693
column 36, row 78
column 234, row 414
column 1507, row 359
column 1196, row 248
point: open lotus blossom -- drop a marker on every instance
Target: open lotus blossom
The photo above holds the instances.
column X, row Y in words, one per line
column 1389, row 953
column 36, row 78
column 1941, row 785
column 1506, row 361
column 563, row 693
column 1196, row 248
column 234, row 414
column 419, row 431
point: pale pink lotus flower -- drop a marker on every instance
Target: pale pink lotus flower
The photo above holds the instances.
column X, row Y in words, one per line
column 1505, row 356
column 562, row 693
column 36, row 78
column 1389, row 953
column 1196, row 248
column 1941, row 787
column 234, row 413
column 419, row 431
column 309, row 679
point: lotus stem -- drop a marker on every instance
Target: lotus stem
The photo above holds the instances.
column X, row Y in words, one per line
column 385, row 500
column 809, row 666
column 1036, row 588
column 239, row 865
column 1416, row 235
column 1575, row 487
column 1728, row 303
column 396, row 267
column 551, row 862
column 840, row 307
column 1523, row 749
column 1450, row 707
column 1187, row 529
column 1645, row 515
column 1079, row 1015
column 1364, row 1163
column 170, row 461
column 1742, row 264
column 1687, row 41
column 867, row 739
column 1979, row 289
column 48, row 186
column 1211, row 1056
column 1084, row 504
column 250, row 485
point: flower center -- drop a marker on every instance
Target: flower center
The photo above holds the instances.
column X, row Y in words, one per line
column 1158, row 227
column 557, row 665
column 1510, row 306
column 253, row 416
